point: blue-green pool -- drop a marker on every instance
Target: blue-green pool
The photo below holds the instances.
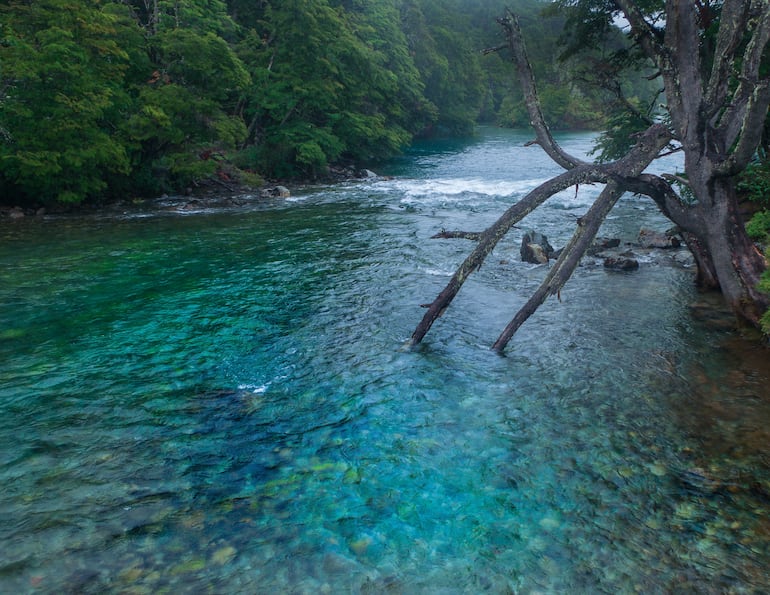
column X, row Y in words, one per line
column 220, row 402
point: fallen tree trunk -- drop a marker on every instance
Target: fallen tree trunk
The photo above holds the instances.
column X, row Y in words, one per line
column 578, row 172
column 632, row 164
column 588, row 226
column 717, row 130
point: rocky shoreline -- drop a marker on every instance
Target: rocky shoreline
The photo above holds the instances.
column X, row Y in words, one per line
column 204, row 196
column 651, row 247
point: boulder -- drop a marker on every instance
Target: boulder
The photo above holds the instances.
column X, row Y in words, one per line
column 601, row 244
column 535, row 248
column 621, row 263
column 276, row 192
column 534, row 253
column 649, row 238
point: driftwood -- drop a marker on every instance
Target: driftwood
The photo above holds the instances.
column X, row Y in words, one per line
column 618, row 177
column 465, row 235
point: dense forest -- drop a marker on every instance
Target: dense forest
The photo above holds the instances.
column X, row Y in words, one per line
column 103, row 99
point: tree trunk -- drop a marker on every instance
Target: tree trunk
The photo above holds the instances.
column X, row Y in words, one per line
column 706, row 275
column 737, row 264
column 717, row 134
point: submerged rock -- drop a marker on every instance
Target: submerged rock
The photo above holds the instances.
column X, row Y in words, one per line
column 621, row 263
column 224, row 555
column 601, row 244
column 275, row 192
column 536, row 249
column 700, row 481
column 649, row 238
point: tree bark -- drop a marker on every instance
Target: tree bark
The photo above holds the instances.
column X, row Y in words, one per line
column 616, row 173
column 719, row 125
column 567, row 262
column 737, row 263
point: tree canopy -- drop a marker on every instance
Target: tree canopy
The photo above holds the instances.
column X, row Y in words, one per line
column 121, row 98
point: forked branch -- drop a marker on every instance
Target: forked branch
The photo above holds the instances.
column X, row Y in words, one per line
column 568, row 260
column 617, row 175
column 630, row 166
column 493, row 234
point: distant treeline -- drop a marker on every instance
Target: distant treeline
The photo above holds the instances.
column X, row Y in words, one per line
column 104, row 99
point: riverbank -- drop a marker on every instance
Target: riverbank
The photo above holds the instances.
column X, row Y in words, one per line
column 205, row 195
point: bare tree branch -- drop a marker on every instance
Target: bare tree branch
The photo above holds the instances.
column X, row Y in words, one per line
column 510, row 24
column 568, row 260
column 750, row 134
column 668, row 201
column 492, row 235
column 743, row 121
column 629, row 167
column 632, row 164
column 684, row 84
column 752, row 57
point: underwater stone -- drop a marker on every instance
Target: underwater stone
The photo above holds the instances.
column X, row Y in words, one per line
column 535, row 248
column 224, row 555
column 361, row 545
column 620, row 263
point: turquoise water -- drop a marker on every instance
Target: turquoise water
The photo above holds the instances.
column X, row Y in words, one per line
column 219, row 402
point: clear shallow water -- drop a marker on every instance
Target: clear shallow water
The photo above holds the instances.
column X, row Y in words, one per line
column 219, row 402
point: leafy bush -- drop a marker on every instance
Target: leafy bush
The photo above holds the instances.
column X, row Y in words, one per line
column 758, row 227
column 754, row 182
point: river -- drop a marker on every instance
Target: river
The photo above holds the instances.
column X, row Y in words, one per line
column 219, row 401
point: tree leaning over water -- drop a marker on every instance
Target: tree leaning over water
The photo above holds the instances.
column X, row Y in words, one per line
column 712, row 59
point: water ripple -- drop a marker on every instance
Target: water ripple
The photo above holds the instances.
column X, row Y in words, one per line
column 222, row 402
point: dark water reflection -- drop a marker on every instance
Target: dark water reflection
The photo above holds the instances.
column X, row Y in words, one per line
column 219, row 402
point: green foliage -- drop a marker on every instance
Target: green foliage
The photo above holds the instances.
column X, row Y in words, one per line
column 758, row 227
column 62, row 81
column 617, row 81
column 619, row 134
column 128, row 97
column 449, row 63
column 329, row 82
column 754, row 182
column 764, row 285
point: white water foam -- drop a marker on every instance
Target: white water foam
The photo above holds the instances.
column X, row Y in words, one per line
column 257, row 389
column 447, row 188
